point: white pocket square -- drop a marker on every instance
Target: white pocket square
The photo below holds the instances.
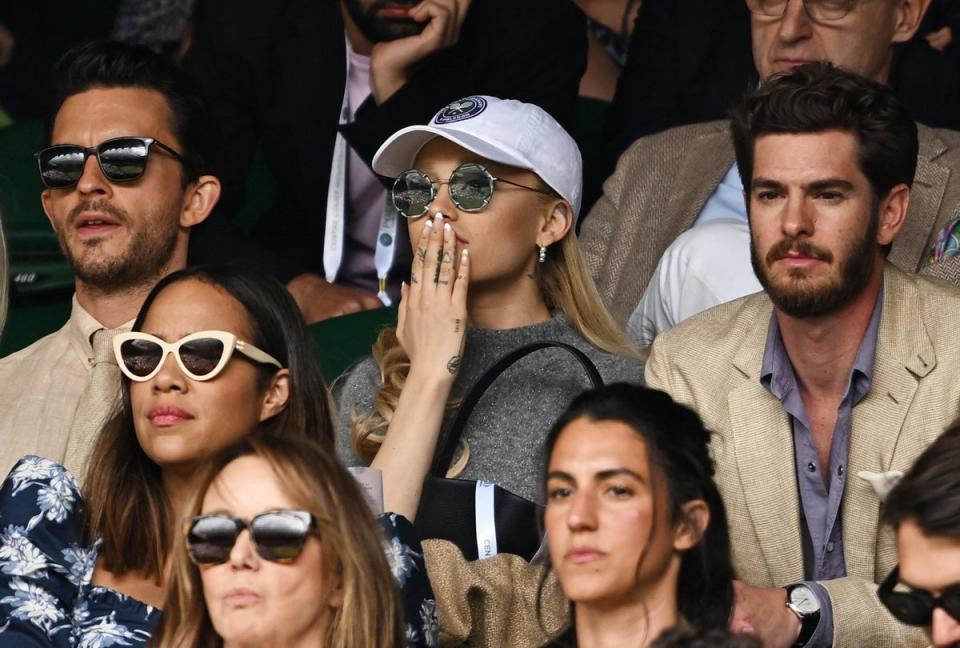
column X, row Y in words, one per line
column 882, row 482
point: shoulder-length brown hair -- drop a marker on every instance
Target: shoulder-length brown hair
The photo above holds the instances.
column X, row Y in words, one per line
column 126, row 504
column 370, row 614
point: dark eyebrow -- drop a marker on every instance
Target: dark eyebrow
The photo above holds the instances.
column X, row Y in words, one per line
column 830, row 183
column 617, row 472
column 601, row 475
column 767, row 183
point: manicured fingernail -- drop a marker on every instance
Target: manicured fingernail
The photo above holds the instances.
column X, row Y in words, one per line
column 429, row 223
column 465, row 254
column 439, row 218
column 446, row 227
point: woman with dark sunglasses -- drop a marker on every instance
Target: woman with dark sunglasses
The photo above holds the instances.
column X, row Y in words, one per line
column 90, row 568
column 924, row 509
column 276, row 527
column 490, row 189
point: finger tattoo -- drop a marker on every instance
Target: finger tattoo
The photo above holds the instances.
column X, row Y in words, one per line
column 457, row 325
column 447, row 258
column 453, row 366
column 422, row 254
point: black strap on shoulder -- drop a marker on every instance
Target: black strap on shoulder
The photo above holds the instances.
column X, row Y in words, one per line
column 444, row 456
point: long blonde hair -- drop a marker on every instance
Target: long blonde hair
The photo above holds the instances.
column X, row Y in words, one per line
column 370, row 613
column 565, row 285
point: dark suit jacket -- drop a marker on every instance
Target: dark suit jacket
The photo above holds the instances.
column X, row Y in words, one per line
column 689, row 61
column 275, row 72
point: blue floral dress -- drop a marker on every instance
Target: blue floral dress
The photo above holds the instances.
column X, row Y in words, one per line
column 46, row 598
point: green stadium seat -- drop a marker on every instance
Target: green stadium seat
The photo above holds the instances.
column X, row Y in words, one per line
column 342, row 341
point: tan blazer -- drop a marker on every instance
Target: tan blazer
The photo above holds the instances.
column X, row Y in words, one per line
column 663, row 181
column 711, row 363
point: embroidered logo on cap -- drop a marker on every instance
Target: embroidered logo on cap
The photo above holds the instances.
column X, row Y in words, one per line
column 460, row 110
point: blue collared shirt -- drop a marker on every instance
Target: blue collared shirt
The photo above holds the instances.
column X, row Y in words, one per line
column 820, row 513
column 726, row 201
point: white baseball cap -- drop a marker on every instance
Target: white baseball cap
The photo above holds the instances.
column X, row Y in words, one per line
column 507, row 131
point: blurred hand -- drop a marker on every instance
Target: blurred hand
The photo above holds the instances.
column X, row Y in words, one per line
column 7, row 41
column 940, row 39
column 763, row 611
column 432, row 319
column 319, row 299
column 392, row 62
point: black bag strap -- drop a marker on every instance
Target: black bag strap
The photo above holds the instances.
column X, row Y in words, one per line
column 444, row 456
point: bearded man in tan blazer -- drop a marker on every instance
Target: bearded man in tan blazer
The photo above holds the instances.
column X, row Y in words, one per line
column 843, row 370
column 670, row 182
column 818, row 389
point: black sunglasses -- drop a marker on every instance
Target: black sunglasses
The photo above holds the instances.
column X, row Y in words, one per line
column 121, row 159
column 916, row 607
column 470, row 187
column 278, row 536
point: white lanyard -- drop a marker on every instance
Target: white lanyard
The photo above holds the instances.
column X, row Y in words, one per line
column 335, row 225
column 486, row 520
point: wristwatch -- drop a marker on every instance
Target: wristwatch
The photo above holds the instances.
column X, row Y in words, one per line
column 804, row 603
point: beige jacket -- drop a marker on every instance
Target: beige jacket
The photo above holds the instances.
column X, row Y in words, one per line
column 711, row 363
column 663, row 181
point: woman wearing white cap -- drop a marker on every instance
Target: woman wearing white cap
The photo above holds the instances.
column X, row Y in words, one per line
column 490, row 189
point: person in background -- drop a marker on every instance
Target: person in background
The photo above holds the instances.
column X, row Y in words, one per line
column 162, row 25
column 490, row 188
column 925, row 69
column 281, row 550
column 688, row 61
column 213, row 354
column 609, row 23
column 319, row 85
column 924, row 510
column 685, row 178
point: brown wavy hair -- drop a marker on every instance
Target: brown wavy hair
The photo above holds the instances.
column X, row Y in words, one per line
column 370, row 615
column 566, row 287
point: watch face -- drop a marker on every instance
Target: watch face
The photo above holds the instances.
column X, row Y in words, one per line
column 804, row 600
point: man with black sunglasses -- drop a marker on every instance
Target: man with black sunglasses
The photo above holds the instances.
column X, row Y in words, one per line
column 318, row 85
column 924, row 508
column 126, row 175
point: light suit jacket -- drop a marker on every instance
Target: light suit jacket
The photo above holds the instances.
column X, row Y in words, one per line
column 663, row 181
column 711, row 363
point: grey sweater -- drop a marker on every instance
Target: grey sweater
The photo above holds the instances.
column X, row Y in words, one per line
column 509, row 425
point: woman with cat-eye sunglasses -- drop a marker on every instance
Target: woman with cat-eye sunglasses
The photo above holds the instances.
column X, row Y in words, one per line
column 107, row 544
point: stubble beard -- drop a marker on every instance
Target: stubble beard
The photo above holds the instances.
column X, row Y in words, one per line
column 803, row 298
column 143, row 261
column 378, row 30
